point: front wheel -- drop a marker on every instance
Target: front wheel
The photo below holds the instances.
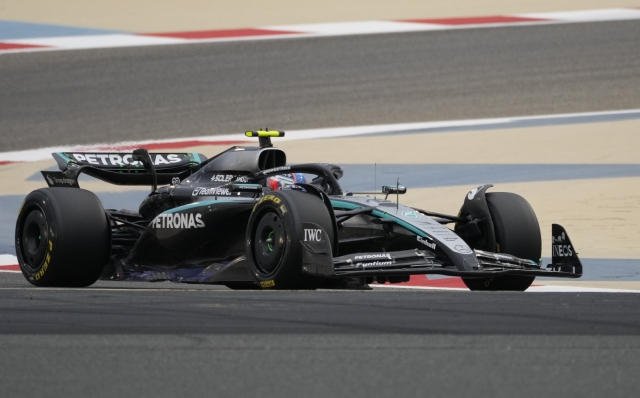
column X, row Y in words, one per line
column 277, row 226
column 62, row 237
column 517, row 233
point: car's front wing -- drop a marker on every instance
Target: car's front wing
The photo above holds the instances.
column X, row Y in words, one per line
column 420, row 262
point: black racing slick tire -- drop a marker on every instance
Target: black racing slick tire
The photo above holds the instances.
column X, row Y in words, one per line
column 274, row 234
column 517, row 233
column 62, row 237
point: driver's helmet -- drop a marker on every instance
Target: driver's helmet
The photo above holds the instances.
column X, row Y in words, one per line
column 282, row 181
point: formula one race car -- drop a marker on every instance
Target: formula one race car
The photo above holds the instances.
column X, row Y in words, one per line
column 247, row 220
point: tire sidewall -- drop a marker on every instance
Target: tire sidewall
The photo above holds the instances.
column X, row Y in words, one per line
column 38, row 274
column 288, row 274
column 526, row 247
column 79, row 237
column 273, row 203
column 523, row 225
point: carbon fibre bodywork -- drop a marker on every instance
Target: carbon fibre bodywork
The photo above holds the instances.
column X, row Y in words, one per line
column 194, row 230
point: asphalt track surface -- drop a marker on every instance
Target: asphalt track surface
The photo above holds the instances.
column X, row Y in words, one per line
column 166, row 340
column 89, row 96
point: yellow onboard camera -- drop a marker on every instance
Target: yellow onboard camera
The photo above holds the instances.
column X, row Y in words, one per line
column 265, row 136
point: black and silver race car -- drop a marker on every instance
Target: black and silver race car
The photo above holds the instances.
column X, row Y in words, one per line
column 247, row 220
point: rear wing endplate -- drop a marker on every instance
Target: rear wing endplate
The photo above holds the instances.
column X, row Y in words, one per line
column 121, row 169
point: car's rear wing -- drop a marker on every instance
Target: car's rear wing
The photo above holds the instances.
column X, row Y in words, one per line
column 121, row 168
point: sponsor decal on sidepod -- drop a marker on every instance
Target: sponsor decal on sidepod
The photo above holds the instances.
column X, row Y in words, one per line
column 178, row 221
column 228, row 178
column 202, row 191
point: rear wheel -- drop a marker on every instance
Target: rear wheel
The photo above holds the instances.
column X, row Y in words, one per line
column 62, row 237
column 517, row 233
column 274, row 235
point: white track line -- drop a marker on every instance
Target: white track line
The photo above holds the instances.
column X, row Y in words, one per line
column 611, row 14
column 532, row 289
column 98, row 41
column 311, row 30
column 33, row 155
column 360, row 28
column 8, row 259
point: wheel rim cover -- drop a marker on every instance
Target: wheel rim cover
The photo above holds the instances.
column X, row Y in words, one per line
column 34, row 238
column 269, row 242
